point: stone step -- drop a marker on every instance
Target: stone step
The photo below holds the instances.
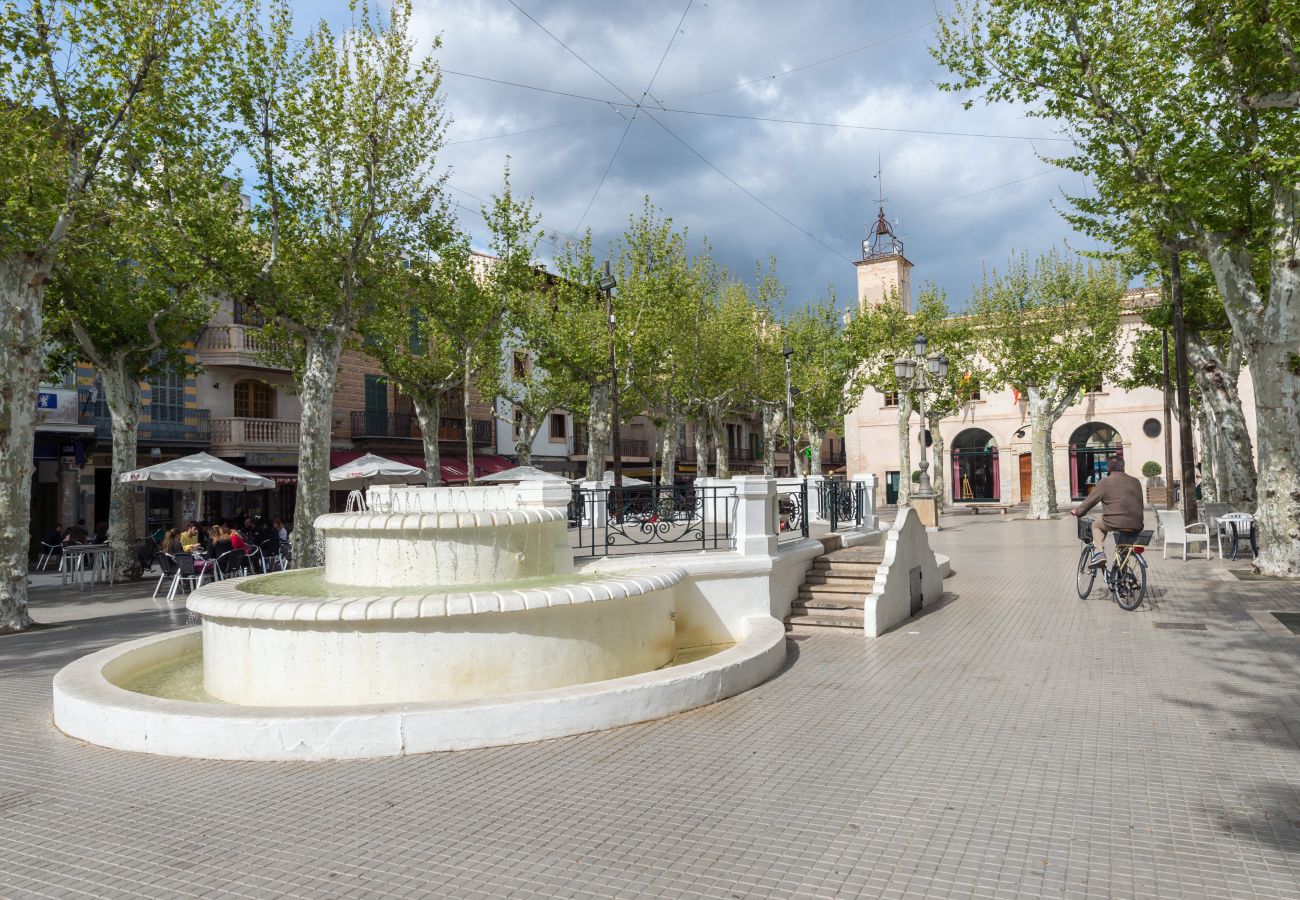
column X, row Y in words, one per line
column 840, row 585
column 824, row 621
column 807, row 604
column 835, row 598
column 835, row 577
column 845, row 570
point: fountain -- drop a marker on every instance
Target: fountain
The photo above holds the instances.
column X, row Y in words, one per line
column 443, row 618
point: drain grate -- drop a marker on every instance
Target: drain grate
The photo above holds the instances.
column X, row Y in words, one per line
column 1182, row 626
column 1290, row 619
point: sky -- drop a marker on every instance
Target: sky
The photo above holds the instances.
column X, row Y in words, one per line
column 961, row 204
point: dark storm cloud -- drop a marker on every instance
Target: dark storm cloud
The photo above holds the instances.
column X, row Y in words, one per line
column 821, row 179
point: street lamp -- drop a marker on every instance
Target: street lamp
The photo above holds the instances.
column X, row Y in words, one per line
column 607, row 285
column 795, row 471
column 913, row 372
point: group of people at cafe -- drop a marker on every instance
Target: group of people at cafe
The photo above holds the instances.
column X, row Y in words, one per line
column 208, row 542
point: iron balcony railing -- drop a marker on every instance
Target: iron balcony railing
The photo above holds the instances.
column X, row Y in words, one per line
column 176, row 426
column 629, row 446
column 405, row 426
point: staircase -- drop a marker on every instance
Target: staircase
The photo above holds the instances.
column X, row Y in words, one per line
column 837, row 584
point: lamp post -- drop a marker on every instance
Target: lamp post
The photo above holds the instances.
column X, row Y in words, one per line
column 607, row 284
column 913, row 372
column 789, row 407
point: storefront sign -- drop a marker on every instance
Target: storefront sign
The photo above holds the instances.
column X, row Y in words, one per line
column 271, row 459
column 56, row 406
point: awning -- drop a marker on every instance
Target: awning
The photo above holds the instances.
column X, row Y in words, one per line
column 452, row 468
column 279, row 476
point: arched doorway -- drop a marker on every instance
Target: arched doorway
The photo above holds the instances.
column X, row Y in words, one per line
column 975, row 467
column 1092, row 446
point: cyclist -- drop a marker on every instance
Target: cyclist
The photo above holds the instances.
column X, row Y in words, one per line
column 1121, row 496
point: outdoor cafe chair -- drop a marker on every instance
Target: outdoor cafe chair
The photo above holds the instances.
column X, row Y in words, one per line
column 1236, row 527
column 183, row 571
column 49, row 551
column 1174, row 530
column 232, row 563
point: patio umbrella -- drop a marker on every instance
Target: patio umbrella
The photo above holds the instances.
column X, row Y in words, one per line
column 371, row 469
column 520, row 473
column 198, row 472
column 609, row 479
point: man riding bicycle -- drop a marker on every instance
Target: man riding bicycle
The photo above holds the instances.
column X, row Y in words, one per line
column 1121, row 496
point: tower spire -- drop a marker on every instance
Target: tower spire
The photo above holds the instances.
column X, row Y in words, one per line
column 881, row 240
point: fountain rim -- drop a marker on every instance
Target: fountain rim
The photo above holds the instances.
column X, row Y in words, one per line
column 227, row 600
column 388, row 522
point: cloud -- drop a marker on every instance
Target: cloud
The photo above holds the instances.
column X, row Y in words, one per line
column 822, row 179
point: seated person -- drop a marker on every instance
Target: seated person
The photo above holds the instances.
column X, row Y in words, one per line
column 55, row 537
column 237, row 541
column 76, row 534
column 173, row 542
column 1121, row 497
column 189, row 538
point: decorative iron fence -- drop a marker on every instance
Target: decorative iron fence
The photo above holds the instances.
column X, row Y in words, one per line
column 792, row 513
column 843, row 503
column 181, row 426
column 649, row 518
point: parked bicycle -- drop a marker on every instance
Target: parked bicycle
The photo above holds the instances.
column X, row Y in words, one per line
column 1125, row 577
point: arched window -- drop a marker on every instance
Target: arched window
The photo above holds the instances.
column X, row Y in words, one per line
column 254, row 400
column 975, row 467
column 1092, row 446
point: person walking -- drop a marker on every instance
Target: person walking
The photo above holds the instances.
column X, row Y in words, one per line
column 1121, row 497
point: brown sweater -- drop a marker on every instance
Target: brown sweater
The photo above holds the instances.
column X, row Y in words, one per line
column 1121, row 495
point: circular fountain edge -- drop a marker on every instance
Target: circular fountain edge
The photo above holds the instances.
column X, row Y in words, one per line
column 91, row 707
column 227, row 600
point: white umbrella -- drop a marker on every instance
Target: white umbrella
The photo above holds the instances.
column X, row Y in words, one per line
column 372, row 469
column 609, row 479
column 199, row 470
column 521, row 473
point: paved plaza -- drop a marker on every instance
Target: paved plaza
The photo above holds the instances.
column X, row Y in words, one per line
column 1012, row 741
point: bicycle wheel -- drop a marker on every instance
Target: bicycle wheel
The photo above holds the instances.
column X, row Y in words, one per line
column 1129, row 583
column 1086, row 575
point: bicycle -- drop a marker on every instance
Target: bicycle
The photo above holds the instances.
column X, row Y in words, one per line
column 1126, row 577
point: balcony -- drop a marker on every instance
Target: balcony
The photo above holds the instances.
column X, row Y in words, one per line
column 189, row 427
column 236, row 345
column 373, row 425
column 242, row 435
column 631, row 447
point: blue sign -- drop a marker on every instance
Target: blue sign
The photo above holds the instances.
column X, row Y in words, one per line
column 47, row 400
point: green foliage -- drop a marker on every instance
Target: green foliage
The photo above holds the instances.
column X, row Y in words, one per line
column 1151, row 468
column 1054, row 326
column 823, row 368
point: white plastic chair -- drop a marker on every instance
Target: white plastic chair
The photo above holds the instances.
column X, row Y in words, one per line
column 1174, row 531
column 1223, row 527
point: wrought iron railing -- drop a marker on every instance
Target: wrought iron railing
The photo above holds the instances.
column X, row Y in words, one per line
column 629, row 446
column 792, row 512
column 649, row 518
column 188, row 426
column 406, row 426
column 843, row 503
column 485, row 432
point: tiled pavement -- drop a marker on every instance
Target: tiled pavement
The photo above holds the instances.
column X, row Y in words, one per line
column 1013, row 741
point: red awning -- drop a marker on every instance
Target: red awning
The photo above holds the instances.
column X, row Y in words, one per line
column 452, row 468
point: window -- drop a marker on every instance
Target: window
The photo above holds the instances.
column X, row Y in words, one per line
column 970, row 388
column 891, row 398
column 419, row 344
column 1096, row 387
column 520, row 366
column 559, row 426
column 247, row 314
column 167, row 396
column 376, row 404
column 518, row 423
column 254, row 400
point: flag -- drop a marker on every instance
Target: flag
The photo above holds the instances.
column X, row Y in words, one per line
column 1015, row 395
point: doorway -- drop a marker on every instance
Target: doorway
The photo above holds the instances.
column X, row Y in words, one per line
column 974, row 467
column 891, row 488
column 1026, row 476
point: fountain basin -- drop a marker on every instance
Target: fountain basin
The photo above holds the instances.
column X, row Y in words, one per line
column 263, row 649
column 90, row 705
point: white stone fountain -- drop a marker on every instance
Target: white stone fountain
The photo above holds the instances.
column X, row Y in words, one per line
column 444, row 618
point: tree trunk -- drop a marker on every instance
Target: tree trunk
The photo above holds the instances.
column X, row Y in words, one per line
column 701, row 449
column 773, row 419
column 22, row 357
column 468, row 421
column 1270, row 335
column 815, row 438
column 904, row 449
column 320, row 368
column 598, row 431
column 428, row 412
column 936, row 466
column 1209, row 455
column 524, row 443
column 1228, row 439
column 1042, row 500
column 722, row 462
column 1186, row 458
column 668, row 452
column 122, row 391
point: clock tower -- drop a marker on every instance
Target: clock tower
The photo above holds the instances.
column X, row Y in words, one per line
column 883, row 271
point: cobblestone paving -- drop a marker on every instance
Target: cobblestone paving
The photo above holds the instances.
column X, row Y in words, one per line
column 1013, row 741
